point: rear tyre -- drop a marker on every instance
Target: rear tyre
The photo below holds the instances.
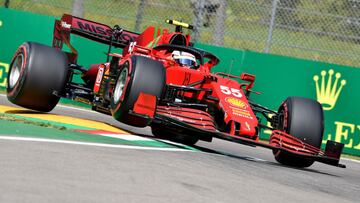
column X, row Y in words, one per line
column 183, row 138
column 304, row 119
column 138, row 74
column 37, row 74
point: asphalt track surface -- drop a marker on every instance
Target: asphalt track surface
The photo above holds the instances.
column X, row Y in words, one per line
column 225, row 172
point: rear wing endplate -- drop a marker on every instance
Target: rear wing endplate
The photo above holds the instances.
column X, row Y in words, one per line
column 89, row 29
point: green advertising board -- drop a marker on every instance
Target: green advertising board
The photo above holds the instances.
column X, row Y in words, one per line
column 277, row 77
column 18, row 27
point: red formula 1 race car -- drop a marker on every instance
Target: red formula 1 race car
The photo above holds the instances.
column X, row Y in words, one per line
column 161, row 80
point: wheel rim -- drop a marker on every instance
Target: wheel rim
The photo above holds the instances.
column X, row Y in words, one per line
column 281, row 125
column 120, row 84
column 16, row 70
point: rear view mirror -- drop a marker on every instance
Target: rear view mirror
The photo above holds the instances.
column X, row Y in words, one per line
column 247, row 77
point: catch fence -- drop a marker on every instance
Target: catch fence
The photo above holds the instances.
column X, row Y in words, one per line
column 324, row 30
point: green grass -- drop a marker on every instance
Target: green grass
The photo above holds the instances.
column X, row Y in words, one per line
column 7, row 117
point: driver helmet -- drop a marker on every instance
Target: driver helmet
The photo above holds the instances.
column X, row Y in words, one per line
column 184, row 58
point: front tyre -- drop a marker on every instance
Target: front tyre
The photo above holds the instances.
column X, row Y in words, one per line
column 37, row 74
column 304, row 119
column 137, row 74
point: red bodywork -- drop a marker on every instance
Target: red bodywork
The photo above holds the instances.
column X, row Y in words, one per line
column 226, row 95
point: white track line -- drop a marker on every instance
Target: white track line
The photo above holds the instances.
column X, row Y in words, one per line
column 129, row 137
column 76, row 108
column 26, row 139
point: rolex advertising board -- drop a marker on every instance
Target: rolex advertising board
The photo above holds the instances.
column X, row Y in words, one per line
column 335, row 87
column 4, row 68
column 277, row 77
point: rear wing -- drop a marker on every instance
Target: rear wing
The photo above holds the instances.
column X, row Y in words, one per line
column 89, row 29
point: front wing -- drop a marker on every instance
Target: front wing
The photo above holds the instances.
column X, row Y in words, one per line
column 278, row 141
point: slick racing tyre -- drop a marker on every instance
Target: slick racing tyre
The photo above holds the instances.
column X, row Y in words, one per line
column 136, row 75
column 304, row 119
column 37, row 74
column 183, row 138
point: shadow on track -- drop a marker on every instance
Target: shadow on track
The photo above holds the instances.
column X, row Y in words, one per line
column 24, row 112
column 245, row 158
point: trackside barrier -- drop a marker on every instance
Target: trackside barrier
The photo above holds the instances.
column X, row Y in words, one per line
column 334, row 86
